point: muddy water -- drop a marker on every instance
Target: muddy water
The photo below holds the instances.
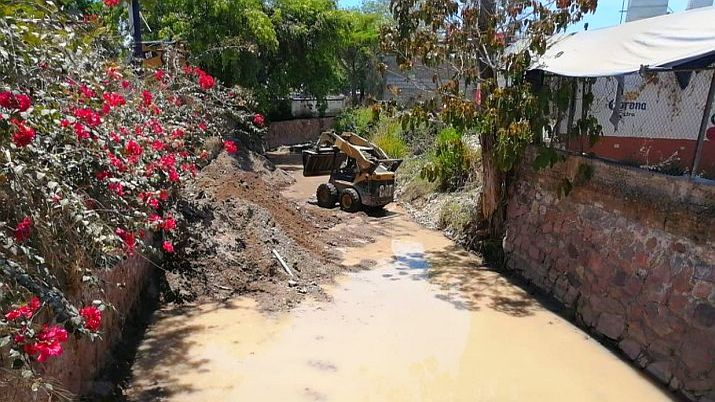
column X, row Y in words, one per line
column 427, row 324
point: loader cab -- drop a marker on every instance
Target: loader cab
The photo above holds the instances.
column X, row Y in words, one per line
column 360, row 173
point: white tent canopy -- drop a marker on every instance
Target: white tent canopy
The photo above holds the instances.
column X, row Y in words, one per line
column 661, row 41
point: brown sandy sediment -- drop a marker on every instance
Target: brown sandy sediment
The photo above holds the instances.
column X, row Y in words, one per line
column 236, row 215
column 427, row 323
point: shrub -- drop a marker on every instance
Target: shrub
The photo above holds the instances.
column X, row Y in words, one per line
column 92, row 154
column 387, row 136
column 456, row 216
column 411, row 185
column 452, row 163
column 360, row 120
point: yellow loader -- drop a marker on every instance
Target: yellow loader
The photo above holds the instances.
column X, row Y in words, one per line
column 361, row 174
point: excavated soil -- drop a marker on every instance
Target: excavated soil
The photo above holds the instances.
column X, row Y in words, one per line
column 236, row 216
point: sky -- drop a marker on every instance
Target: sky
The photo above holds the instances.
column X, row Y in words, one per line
column 607, row 13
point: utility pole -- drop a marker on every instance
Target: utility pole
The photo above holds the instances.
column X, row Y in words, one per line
column 135, row 24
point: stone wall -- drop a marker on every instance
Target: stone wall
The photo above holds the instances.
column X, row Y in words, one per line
column 291, row 132
column 631, row 254
column 82, row 359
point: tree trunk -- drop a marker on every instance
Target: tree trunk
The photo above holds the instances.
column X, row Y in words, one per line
column 493, row 212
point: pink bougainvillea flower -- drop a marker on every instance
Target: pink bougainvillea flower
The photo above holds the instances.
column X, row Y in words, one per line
column 25, row 311
column 163, row 195
column 203, row 126
column 48, row 344
column 116, row 162
column 174, row 175
column 23, row 102
column 19, row 102
column 114, row 99
column 23, row 134
column 117, row 188
column 92, row 318
column 168, row 161
column 111, row 3
column 149, row 169
column 154, row 219
column 23, row 230
column 156, row 127
column 189, row 167
column 81, row 131
column 64, row 123
column 86, row 91
column 126, row 84
column 88, row 116
column 168, row 224
column 259, row 120
column 159, row 75
column 193, row 70
column 6, row 99
column 230, row 146
column 206, row 81
column 147, row 97
column 177, row 133
column 157, row 145
column 168, row 247
column 102, row 175
column 133, row 148
column 18, row 338
column 130, row 242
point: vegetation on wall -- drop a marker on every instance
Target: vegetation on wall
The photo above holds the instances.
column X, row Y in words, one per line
column 452, row 163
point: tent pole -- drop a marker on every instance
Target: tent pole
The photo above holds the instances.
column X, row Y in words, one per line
column 703, row 126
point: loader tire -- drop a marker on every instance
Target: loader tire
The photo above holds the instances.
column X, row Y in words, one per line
column 349, row 200
column 327, row 195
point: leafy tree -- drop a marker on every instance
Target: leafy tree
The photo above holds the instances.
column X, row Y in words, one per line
column 273, row 48
column 471, row 38
column 359, row 54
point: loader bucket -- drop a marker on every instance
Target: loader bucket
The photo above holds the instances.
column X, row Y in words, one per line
column 321, row 162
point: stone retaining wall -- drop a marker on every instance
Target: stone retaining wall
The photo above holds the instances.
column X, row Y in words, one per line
column 82, row 359
column 631, row 253
column 291, row 132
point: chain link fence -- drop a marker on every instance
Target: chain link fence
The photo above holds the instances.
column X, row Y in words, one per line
column 654, row 120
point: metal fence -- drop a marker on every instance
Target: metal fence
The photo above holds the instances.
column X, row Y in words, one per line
column 657, row 120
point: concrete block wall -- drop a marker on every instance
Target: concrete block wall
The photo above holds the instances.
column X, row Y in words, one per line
column 298, row 131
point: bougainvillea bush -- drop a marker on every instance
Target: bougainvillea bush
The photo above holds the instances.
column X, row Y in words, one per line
column 92, row 152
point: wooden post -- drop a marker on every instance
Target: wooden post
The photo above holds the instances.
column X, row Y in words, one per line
column 136, row 23
column 703, row 127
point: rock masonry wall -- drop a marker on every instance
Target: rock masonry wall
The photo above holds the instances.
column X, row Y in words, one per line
column 75, row 371
column 631, row 254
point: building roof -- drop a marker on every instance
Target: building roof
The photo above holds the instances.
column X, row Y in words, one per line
column 658, row 42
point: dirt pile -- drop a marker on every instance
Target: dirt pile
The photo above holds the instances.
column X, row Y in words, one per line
column 236, row 217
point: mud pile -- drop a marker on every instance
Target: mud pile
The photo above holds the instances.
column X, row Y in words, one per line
column 235, row 217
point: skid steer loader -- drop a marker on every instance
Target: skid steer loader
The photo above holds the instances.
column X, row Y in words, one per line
column 361, row 174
